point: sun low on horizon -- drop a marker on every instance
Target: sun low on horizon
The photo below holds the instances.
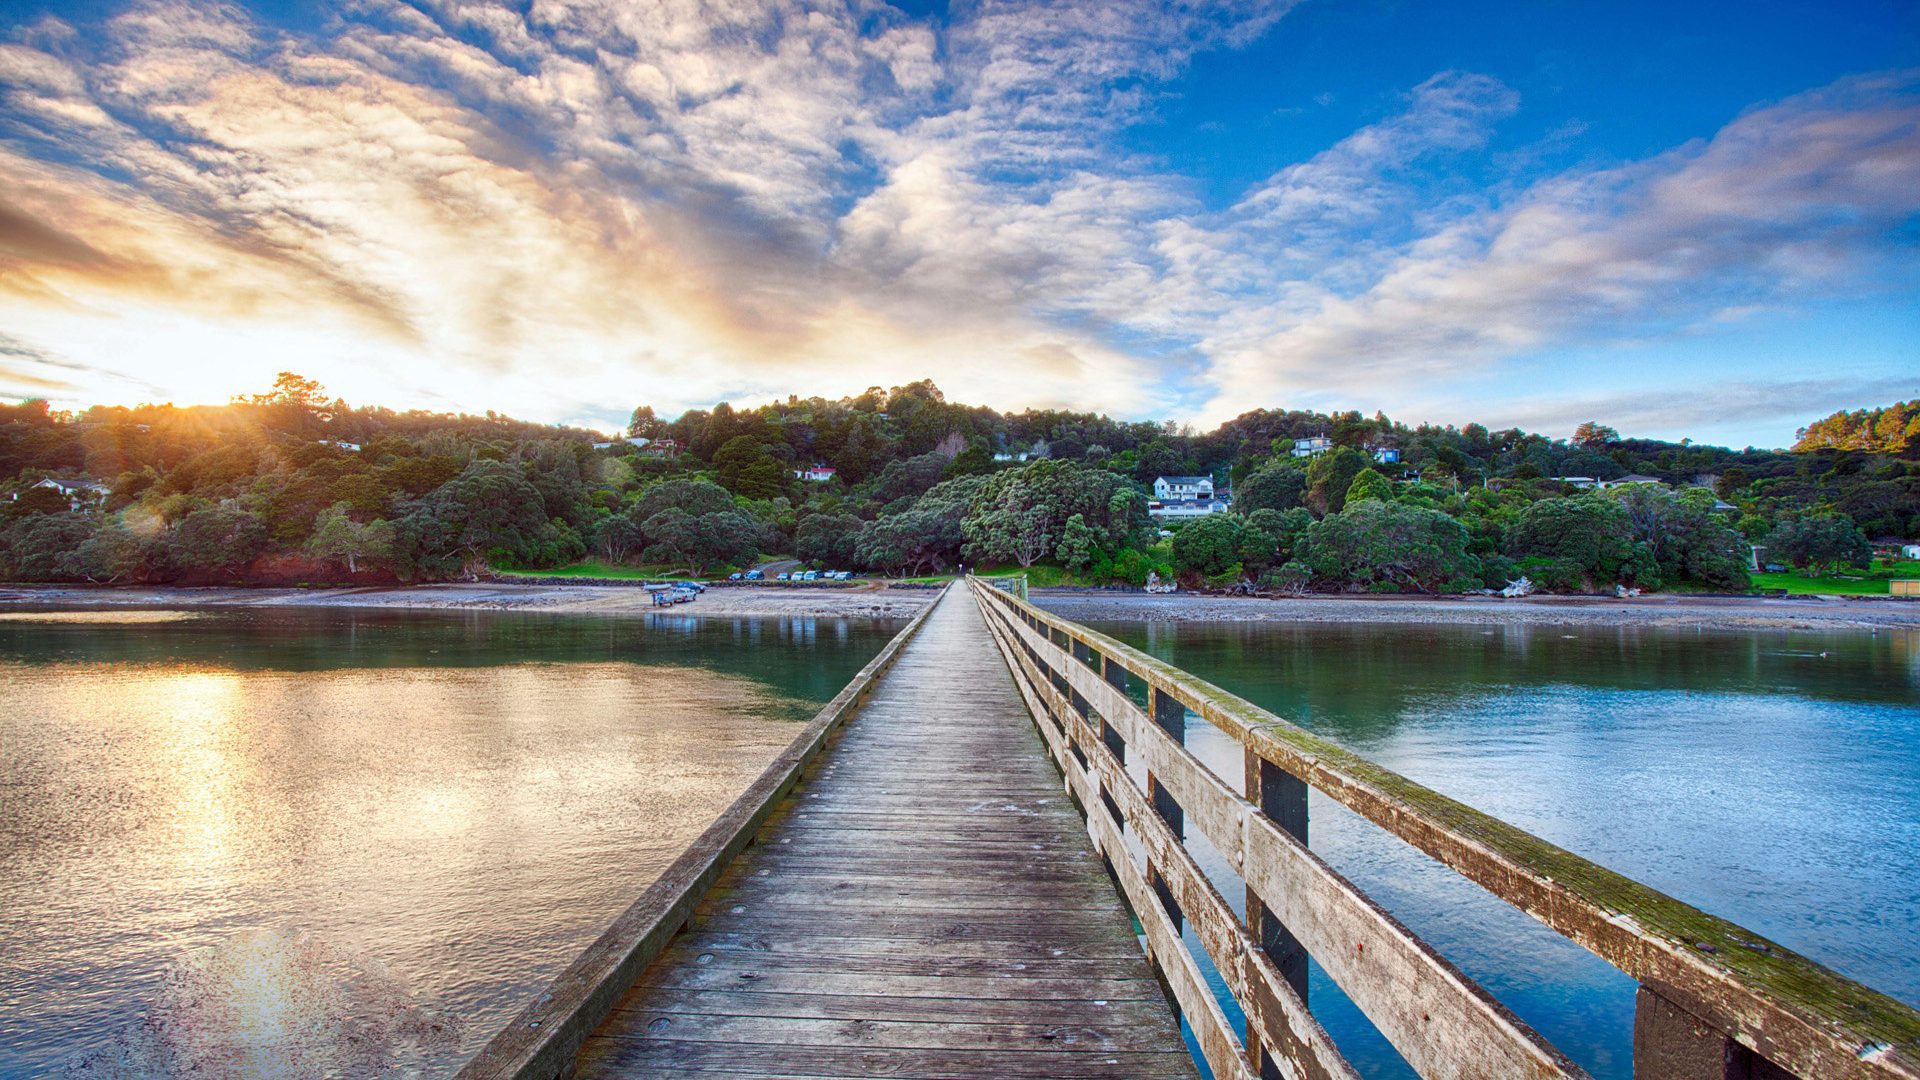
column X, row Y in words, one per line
column 1685, row 220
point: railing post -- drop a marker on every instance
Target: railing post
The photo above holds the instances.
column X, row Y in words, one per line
column 1670, row 1043
column 1282, row 797
column 1171, row 715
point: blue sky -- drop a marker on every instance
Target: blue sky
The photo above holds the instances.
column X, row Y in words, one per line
column 1683, row 220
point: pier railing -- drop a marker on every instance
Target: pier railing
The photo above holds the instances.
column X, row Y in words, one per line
column 1715, row 1001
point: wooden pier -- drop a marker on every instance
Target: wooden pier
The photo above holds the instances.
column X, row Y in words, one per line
column 936, row 879
column 926, row 906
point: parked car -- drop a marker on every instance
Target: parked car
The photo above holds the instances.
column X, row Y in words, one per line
column 735, row 576
column 811, row 575
column 781, row 576
column 754, row 575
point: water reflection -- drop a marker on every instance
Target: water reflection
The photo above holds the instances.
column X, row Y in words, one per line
column 1766, row 777
column 197, row 815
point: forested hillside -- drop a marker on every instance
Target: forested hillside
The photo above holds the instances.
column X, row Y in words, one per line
column 292, row 486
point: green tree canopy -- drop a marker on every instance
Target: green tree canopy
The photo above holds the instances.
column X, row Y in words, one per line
column 1387, row 546
column 1330, row 475
column 1369, row 484
column 1819, row 543
column 1276, row 486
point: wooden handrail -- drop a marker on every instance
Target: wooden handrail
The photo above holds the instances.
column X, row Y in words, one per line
column 1720, row 981
column 543, row 1040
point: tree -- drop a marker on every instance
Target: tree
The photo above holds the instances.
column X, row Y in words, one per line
column 1390, row 547
column 749, row 470
column 1018, row 514
column 294, row 390
column 828, row 539
column 1209, row 546
column 928, row 535
column 338, row 538
column 1591, row 532
column 489, row 505
column 725, row 538
column 1271, row 537
column 114, row 552
column 1331, row 474
column 1593, row 433
column 1076, row 548
column 644, row 424
column 617, row 536
column 696, row 497
column 1369, row 484
column 1010, row 534
column 217, row 538
column 1820, row 544
column 1275, row 486
column 41, row 547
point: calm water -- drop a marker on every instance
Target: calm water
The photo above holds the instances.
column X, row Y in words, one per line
column 298, row 843
column 1767, row 777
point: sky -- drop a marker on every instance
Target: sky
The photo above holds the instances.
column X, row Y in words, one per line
column 1684, row 220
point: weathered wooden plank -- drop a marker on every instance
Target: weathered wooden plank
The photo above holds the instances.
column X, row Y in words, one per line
column 1146, row 1018
column 621, row 1057
column 971, row 1034
column 718, row 976
column 853, row 945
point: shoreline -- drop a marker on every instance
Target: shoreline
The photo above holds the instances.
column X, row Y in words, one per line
column 873, row 600
column 1656, row 610
column 868, row 602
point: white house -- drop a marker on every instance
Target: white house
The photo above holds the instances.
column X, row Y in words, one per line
column 1630, row 478
column 1319, row 444
column 1191, row 508
column 1579, row 483
column 1172, row 488
column 352, row 447
column 1176, row 498
column 1387, row 455
column 629, row 440
column 816, row 473
column 79, row 493
column 1910, row 551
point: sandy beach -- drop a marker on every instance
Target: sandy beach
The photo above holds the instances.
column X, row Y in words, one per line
column 871, row 600
column 1718, row 612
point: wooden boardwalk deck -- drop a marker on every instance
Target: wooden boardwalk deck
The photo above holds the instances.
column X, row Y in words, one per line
column 926, row 905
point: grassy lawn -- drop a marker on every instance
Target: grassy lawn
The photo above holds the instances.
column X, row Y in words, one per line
column 1858, row 583
column 594, row 568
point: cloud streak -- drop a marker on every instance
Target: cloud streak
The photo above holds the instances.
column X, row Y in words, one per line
column 568, row 206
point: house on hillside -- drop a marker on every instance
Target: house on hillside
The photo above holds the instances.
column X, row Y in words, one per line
column 1038, row 450
column 1630, row 478
column 337, row 444
column 1172, row 488
column 1578, row 483
column 1181, row 497
column 663, row 447
column 1313, row 447
column 815, row 473
column 80, row 494
column 1192, row 508
column 626, row 440
column 1387, row 455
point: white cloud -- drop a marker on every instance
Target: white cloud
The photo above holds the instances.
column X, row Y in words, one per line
column 578, row 204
